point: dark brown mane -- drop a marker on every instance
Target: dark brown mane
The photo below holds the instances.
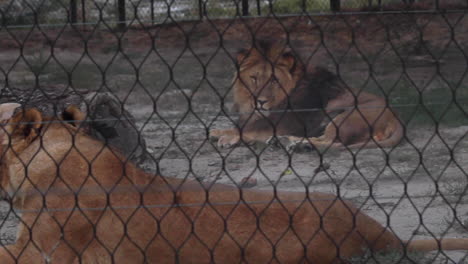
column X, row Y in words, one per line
column 307, row 101
column 264, row 45
column 265, row 49
column 313, row 90
column 325, row 83
column 317, row 80
column 301, row 112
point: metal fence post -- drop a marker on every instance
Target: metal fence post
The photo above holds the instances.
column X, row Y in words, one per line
column 245, row 7
column 83, row 11
column 335, row 5
column 73, row 11
column 121, row 11
column 201, row 12
column 152, row 11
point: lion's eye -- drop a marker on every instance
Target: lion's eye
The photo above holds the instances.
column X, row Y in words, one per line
column 253, row 78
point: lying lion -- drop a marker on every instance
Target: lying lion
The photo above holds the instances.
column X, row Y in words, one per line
column 276, row 96
column 269, row 85
column 80, row 202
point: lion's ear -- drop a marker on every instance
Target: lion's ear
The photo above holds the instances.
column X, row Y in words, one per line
column 7, row 110
column 241, row 55
column 288, row 60
column 74, row 115
column 25, row 124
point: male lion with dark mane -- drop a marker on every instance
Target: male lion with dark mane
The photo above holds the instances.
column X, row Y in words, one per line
column 82, row 202
column 276, row 96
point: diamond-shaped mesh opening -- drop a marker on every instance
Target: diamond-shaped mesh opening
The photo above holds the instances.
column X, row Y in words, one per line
column 282, row 131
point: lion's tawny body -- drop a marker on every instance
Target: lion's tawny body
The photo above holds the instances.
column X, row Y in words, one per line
column 81, row 202
column 366, row 121
column 276, row 95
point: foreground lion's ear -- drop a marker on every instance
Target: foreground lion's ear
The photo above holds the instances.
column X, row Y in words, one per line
column 73, row 114
column 25, row 124
column 7, row 110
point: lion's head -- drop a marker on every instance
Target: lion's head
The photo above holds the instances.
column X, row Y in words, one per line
column 267, row 74
column 39, row 152
column 24, row 154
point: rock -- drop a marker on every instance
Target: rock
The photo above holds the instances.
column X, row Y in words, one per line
column 322, row 167
column 248, row 182
column 213, row 163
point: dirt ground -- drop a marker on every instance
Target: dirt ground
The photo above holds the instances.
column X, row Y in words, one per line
column 175, row 80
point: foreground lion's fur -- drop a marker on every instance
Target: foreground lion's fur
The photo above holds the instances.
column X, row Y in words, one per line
column 81, row 202
column 104, row 117
column 276, row 96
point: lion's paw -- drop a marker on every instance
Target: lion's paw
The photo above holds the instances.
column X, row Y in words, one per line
column 298, row 144
column 303, row 146
column 215, row 134
column 277, row 141
column 228, row 141
column 290, row 143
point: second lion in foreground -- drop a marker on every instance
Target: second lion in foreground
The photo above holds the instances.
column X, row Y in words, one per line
column 83, row 202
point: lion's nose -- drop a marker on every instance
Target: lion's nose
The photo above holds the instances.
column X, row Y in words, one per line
column 261, row 102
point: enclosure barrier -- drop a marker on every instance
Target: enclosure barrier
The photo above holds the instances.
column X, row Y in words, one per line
column 156, row 79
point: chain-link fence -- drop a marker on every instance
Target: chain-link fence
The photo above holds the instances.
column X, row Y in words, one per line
column 267, row 131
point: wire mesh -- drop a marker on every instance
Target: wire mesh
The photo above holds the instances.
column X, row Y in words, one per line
column 156, row 78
